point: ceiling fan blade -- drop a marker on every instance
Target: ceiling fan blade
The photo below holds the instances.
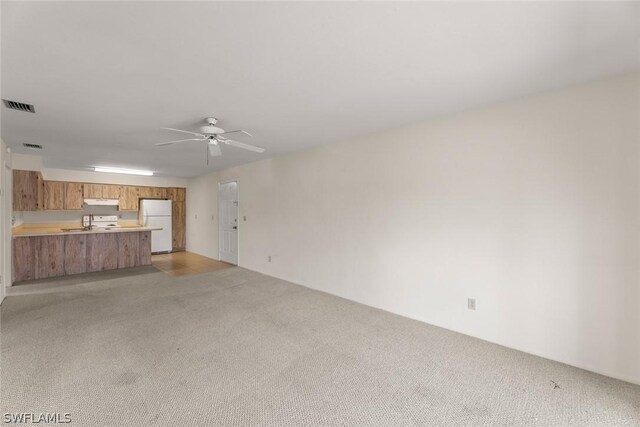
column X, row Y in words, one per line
column 234, row 131
column 214, row 150
column 243, row 145
column 185, row 131
column 180, row 140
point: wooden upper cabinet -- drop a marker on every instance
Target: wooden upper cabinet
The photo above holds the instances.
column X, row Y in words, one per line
column 27, row 191
column 159, row 192
column 93, row 191
column 176, row 194
column 31, row 193
column 145, row 192
column 110, row 191
column 73, row 195
column 54, row 195
column 128, row 198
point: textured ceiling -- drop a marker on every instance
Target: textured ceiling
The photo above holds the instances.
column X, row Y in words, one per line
column 106, row 76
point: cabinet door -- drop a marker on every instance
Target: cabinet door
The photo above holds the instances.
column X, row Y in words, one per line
column 75, row 253
column 49, row 256
column 102, row 251
column 178, row 225
column 24, row 254
column 176, row 194
column 128, row 198
column 128, row 249
column 111, row 191
column 93, row 191
column 144, row 248
column 145, row 192
column 159, row 192
column 27, row 191
column 54, row 195
column 73, row 196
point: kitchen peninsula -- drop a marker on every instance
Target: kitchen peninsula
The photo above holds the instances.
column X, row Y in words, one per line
column 44, row 252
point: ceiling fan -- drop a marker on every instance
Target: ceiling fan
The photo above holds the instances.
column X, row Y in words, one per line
column 214, row 137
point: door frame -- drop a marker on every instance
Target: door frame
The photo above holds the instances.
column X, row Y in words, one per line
column 6, row 216
column 220, row 183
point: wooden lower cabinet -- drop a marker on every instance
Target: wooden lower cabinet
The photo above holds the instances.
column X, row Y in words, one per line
column 102, row 251
column 39, row 257
column 128, row 248
column 144, row 252
column 24, row 257
column 75, row 249
column 49, row 256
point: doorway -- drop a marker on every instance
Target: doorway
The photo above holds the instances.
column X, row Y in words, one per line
column 228, row 221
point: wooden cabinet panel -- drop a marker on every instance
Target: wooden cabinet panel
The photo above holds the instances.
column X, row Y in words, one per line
column 102, row 251
column 128, row 245
column 27, row 191
column 128, row 198
column 39, row 257
column 145, row 192
column 110, row 191
column 158, row 192
column 49, row 256
column 73, row 196
column 176, row 194
column 54, row 195
column 93, row 191
column 144, row 247
column 24, row 256
column 75, row 254
column 178, row 225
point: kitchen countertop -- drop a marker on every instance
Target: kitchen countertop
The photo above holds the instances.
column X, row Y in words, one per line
column 50, row 231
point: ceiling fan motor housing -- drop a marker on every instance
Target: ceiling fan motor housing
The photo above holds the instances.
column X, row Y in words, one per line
column 211, row 130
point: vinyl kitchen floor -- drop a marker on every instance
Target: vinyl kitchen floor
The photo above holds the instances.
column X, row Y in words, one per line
column 186, row 263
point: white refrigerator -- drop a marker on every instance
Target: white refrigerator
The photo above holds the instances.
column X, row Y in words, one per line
column 157, row 213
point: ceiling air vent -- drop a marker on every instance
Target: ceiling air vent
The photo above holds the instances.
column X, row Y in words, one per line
column 33, row 146
column 20, row 106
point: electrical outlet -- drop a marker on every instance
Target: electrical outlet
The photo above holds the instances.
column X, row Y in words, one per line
column 269, row 258
column 471, row 303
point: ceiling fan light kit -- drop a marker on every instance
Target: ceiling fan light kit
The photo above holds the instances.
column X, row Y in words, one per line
column 213, row 135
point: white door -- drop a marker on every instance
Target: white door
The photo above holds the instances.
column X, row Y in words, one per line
column 228, row 222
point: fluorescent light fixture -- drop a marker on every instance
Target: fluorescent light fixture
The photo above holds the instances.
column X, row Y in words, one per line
column 123, row 171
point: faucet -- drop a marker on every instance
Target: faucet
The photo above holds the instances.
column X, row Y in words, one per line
column 90, row 226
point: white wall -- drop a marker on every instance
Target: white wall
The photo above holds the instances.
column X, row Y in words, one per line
column 202, row 214
column 532, row 207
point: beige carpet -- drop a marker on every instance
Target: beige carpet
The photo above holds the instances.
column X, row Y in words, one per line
column 237, row 348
